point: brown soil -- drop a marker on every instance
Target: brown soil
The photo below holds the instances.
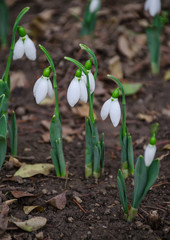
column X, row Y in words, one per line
column 101, row 216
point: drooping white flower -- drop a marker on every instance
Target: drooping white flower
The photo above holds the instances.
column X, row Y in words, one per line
column 76, row 91
column 111, row 107
column 94, row 5
column 42, row 87
column 149, row 154
column 91, row 80
column 153, row 6
column 24, row 45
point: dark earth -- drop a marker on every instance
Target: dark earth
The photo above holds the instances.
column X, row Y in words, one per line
column 99, row 214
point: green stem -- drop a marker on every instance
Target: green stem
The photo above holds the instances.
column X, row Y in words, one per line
column 123, row 103
column 54, row 79
column 87, row 49
column 7, row 69
column 132, row 213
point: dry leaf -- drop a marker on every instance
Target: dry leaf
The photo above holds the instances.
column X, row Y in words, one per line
column 29, row 170
column 167, row 75
column 46, row 137
column 166, row 147
column 166, row 112
column 163, row 156
column 20, row 194
column 18, row 79
column 15, row 161
column 59, row 201
column 115, row 67
column 100, row 90
column 82, row 111
column 4, row 209
column 32, row 224
column 9, row 202
column 28, row 209
column 145, row 117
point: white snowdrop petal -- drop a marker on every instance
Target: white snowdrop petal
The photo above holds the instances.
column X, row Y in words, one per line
column 146, row 6
column 73, row 92
column 30, row 50
column 36, row 85
column 149, row 154
column 84, row 78
column 18, row 49
column 92, row 82
column 83, row 91
column 154, row 7
column 41, row 90
column 105, row 109
column 94, row 5
column 50, row 89
column 115, row 112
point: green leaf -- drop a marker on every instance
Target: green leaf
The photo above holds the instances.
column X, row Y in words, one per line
column 4, row 90
column 54, row 157
column 152, row 174
column 131, row 88
column 3, row 127
column 61, row 157
column 2, row 100
column 154, row 129
column 130, row 156
column 4, row 22
column 153, row 39
column 55, row 130
column 122, row 191
column 3, row 139
column 14, row 135
column 96, row 165
column 139, row 181
column 102, row 146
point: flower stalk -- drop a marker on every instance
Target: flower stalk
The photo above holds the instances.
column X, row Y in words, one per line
column 144, row 177
column 94, row 154
column 57, row 154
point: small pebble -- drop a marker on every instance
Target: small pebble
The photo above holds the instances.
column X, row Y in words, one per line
column 70, row 219
column 20, row 111
column 40, row 235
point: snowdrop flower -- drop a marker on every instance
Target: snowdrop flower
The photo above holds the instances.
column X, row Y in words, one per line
column 77, row 90
column 24, row 45
column 150, row 151
column 88, row 65
column 43, row 86
column 112, row 107
column 94, row 5
column 153, row 6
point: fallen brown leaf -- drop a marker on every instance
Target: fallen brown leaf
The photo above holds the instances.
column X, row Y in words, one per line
column 32, row 224
column 18, row 79
column 145, row 117
column 59, row 201
column 28, row 209
column 20, row 194
column 15, row 161
column 115, row 67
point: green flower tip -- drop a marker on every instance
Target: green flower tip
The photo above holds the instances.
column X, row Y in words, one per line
column 78, row 73
column 115, row 93
column 152, row 140
column 46, row 72
column 21, row 31
column 88, row 64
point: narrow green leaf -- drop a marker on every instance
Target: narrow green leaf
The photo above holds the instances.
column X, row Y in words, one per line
column 97, row 155
column 4, row 22
column 131, row 88
column 152, row 174
column 54, row 157
column 102, row 157
column 55, row 130
column 14, row 135
column 153, row 39
column 3, row 139
column 139, row 181
column 122, row 191
column 61, row 157
column 154, row 129
column 2, row 100
column 3, row 127
column 130, row 156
